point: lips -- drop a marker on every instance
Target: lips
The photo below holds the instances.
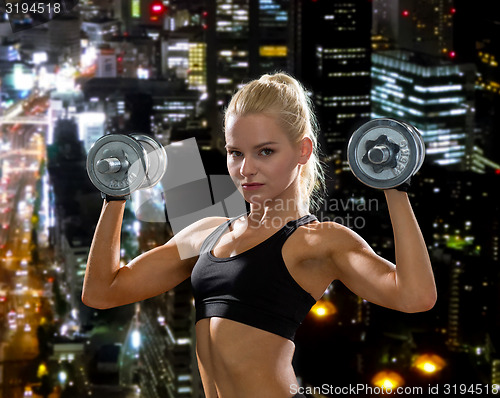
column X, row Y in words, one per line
column 252, row 186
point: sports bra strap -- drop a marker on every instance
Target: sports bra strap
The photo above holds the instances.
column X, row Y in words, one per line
column 214, row 236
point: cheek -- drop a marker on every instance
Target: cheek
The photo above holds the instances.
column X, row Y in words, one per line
column 232, row 167
column 285, row 166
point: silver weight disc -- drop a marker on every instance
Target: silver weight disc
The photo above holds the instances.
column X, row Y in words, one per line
column 421, row 144
column 405, row 158
column 127, row 161
column 157, row 159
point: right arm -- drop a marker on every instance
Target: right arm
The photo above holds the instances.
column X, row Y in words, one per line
column 156, row 271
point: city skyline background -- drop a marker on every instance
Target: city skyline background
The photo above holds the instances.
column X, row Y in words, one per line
column 168, row 69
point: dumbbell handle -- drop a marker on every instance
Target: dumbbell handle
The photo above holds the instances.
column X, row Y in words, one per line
column 111, row 165
column 379, row 154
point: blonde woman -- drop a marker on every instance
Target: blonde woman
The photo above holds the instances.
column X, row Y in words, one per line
column 255, row 277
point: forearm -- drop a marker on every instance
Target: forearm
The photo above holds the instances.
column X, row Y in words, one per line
column 414, row 276
column 104, row 257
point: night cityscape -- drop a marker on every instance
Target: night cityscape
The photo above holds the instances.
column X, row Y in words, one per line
column 167, row 69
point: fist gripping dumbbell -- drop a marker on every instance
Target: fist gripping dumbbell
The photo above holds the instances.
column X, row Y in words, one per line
column 385, row 153
column 119, row 164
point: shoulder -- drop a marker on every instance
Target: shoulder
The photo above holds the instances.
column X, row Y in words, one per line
column 195, row 233
column 325, row 244
column 330, row 235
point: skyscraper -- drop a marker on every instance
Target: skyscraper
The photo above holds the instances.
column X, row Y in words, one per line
column 331, row 55
column 425, row 26
column 432, row 94
column 245, row 38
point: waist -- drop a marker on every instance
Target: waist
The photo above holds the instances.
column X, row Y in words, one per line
column 243, row 358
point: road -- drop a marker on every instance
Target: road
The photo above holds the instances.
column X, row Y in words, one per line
column 24, row 294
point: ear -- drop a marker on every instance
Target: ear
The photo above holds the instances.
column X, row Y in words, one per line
column 306, row 148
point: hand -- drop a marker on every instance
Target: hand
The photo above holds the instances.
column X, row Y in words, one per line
column 110, row 198
column 405, row 186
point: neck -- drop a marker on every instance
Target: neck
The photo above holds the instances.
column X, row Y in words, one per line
column 276, row 214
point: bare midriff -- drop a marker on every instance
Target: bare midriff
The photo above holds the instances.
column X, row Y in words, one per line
column 238, row 360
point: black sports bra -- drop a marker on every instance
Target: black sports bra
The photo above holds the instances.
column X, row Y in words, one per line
column 253, row 287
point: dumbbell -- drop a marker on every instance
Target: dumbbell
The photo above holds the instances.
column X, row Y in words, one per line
column 119, row 164
column 384, row 153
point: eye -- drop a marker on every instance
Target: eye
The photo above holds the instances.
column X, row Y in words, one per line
column 234, row 153
column 267, row 151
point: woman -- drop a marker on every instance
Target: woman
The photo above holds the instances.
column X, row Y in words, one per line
column 255, row 277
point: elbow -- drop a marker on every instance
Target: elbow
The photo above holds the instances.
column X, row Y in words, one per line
column 424, row 304
column 92, row 303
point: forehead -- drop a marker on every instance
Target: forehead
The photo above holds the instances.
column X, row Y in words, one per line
column 253, row 129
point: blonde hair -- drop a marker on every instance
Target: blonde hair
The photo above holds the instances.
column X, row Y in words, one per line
column 281, row 94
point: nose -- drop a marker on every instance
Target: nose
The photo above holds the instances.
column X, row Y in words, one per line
column 248, row 167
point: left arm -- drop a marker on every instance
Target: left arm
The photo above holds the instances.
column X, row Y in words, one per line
column 409, row 286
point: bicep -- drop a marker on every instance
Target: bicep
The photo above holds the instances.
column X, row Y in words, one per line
column 363, row 271
column 162, row 268
column 150, row 274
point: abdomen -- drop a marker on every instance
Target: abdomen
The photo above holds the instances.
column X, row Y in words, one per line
column 239, row 360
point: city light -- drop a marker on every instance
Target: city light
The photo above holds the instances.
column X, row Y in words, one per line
column 387, row 379
column 429, row 363
column 62, row 376
column 136, row 339
column 323, row 309
column 42, row 370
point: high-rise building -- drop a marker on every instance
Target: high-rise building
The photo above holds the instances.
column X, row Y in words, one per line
column 488, row 84
column 168, row 370
column 272, row 35
column 425, row 26
column 245, row 38
column 186, row 58
column 330, row 53
column 434, row 95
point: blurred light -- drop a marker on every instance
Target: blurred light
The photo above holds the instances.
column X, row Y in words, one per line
column 387, row 379
column 429, row 363
column 142, row 73
column 405, row 13
column 42, row 370
column 157, row 8
column 453, row 10
column 453, row 54
column 62, row 376
column 136, row 339
column 323, row 309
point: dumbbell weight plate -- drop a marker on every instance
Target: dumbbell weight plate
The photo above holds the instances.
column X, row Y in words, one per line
column 407, row 158
column 157, row 159
column 421, row 143
column 422, row 146
column 132, row 156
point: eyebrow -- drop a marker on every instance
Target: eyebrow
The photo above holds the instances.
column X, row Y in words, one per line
column 255, row 147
